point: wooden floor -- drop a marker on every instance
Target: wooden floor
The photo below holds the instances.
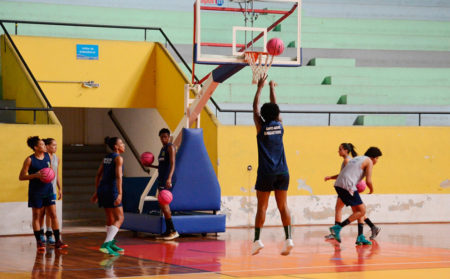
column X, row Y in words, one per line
column 401, row 251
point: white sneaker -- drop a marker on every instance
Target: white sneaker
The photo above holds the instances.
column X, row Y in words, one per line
column 171, row 236
column 257, row 246
column 288, row 245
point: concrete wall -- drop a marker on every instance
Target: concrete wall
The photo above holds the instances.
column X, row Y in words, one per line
column 411, row 179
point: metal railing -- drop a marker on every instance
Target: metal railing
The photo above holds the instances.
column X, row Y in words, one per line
column 127, row 140
column 330, row 113
column 29, row 109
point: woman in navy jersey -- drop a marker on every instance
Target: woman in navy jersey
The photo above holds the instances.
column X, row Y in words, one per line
column 166, row 180
column 273, row 173
column 40, row 194
column 108, row 194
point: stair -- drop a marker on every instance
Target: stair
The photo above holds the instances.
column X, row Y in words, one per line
column 80, row 164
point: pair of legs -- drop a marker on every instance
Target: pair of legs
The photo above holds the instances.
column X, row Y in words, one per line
column 338, row 218
column 263, row 202
column 38, row 220
column 114, row 220
column 170, row 233
column 49, row 212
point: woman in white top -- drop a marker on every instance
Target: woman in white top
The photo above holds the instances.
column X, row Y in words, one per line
column 51, row 145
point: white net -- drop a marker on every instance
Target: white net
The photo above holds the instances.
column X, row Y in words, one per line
column 259, row 62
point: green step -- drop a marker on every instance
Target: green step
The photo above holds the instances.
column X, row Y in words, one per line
column 374, row 80
column 342, row 62
column 380, row 120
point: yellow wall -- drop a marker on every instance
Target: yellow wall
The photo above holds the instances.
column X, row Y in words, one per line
column 15, row 150
column 124, row 71
column 170, row 81
column 18, row 86
column 415, row 159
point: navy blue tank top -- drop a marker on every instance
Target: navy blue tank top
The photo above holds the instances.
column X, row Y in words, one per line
column 164, row 165
column 109, row 172
column 271, row 157
column 36, row 186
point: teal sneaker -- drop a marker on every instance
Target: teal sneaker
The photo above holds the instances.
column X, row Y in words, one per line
column 105, row 248
column 361, row 240
column 116, row 248
column 336, row 232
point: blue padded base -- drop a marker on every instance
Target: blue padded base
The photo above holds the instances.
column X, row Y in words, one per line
column 185, row 223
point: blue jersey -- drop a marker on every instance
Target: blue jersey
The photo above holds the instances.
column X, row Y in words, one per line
column 108, row 180
column 271, row 157
column 36, row 186
column 164, row 165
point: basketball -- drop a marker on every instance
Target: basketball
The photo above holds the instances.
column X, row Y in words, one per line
column 147, row 158
column 275, row 46
column 165, row 197
column 47, row 175
column 361, row 186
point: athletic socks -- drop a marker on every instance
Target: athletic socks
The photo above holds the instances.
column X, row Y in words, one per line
column 368, row 222
column 111, row 232
column 169, row 225
column 57, row 235
column 257, row 233
column 287, row 231
column 37, row 235
column 337, row 223
column 345, row 223
column 360, row 228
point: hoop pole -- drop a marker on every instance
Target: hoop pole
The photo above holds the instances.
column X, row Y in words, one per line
column 262, row 11
column 194, row 43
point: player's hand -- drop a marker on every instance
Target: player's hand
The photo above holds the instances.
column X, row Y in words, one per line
column 38, row 175
column 94, row 198
column 262, row 81
column 371, row 191
column 273, row 83
column 118, row 200
column 59, row 194
column 169, row 183
column 327, row 178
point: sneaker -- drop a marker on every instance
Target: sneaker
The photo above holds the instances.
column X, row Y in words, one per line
column 40, row 246
column 42, row 238
column 50, row 240
column 288, row 245
column 336, row 232
column 257, row 246
column 171, row 236
column 361, row 240
column 105, row 248
column 116, row 248
column 329, row 236
column 162, row 236
column 60, row 245
column 375, row 231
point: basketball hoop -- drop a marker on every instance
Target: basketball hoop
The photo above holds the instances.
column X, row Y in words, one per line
column 255, row 60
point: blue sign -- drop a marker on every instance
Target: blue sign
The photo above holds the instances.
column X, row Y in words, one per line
column 87, row 52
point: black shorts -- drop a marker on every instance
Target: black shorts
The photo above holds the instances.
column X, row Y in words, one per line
column 267, row 183
column 40, row 200
column 106, row 199
column 348, row 199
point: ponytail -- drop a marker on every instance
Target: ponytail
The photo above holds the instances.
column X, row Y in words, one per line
column 350, row 148
column 111, row 142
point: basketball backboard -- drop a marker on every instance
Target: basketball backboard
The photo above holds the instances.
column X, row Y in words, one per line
column 225, row 29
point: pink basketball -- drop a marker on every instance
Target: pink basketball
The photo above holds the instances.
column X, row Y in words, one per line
column 361, row 186
column 165, row 197
column 275, row 46
column 147, row 158
column 47, row 175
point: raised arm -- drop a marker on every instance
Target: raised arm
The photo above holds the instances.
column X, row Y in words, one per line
column 256, row 113
column 273, row 97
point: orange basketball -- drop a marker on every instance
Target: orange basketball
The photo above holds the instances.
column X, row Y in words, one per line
column 165, row 197
column 147, row 158
column 47, row 175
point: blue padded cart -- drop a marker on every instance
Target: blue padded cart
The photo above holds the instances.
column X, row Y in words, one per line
column 196, row 194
